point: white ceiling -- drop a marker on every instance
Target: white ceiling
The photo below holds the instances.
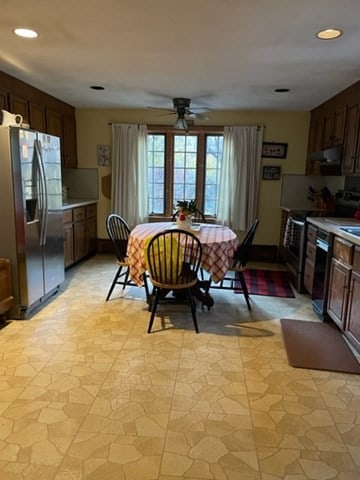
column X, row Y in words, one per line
column 223, row 54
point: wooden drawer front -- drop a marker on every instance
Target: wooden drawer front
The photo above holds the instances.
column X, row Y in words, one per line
column 79, row 214
column 91, row 211
column 68, row 216
column 356, row 259
column 311, row 233
column 310, row 252
column 308, row 276
column 343, row 250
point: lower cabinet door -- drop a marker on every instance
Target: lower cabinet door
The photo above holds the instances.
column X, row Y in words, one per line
column 353, row 314
column 338, row 293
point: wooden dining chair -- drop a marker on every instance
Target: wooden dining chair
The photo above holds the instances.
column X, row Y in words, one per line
column 173, row 260
column 119, row 231
column 238, row 265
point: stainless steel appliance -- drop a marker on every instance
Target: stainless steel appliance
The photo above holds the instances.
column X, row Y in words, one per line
column 31, row 234
column 294, row 241
column 323, row 254
column 295, row 233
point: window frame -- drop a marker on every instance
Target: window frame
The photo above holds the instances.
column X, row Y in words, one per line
column 170, row 132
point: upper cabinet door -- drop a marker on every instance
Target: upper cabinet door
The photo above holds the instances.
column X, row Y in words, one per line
column 19, row 106
column 54, row 123
column 333, row 127
column 37, row 117
column 351, row 139
column 3, row 100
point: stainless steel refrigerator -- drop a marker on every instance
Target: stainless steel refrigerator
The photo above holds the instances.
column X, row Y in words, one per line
column 31, row 230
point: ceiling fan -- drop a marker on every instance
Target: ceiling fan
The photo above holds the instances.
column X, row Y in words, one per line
column 185, row 114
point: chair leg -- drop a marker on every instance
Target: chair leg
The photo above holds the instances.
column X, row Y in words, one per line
column 153, row 309
column 193, row 308
column 114, row 282
column 126, row 278
column 241, row 279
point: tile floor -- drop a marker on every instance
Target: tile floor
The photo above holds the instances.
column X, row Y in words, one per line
column 85, row 393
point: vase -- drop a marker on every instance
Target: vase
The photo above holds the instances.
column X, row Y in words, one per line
column 184, row 221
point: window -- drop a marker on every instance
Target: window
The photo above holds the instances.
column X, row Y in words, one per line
column 183, row 166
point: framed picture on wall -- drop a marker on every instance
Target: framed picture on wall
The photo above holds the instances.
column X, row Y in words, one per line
column 103, row 155
column 271, row 172
column 274, row 150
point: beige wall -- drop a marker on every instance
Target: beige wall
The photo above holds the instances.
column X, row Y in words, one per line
column 285, row 127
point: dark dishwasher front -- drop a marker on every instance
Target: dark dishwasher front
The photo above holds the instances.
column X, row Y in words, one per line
column 324, row 241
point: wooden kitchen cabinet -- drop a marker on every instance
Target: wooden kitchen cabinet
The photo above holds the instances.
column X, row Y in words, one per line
column 309, row 268
column 37, row 117
column 20, row 106
column 91, row 229
column 351, row 154
column 80, row 233
column 340, row 272
column 69, row 154
column 315, row 142
column 43, row 112
column 80, row 246
column 3, row 100
column 334, row 127
column 6, row 297
column 352, row 325
column 69, row 254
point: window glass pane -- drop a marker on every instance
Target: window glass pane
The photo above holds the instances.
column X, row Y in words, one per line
column 185, row 178
column 179, row 176
column 213, row 152
column 184, row 175
column 179, row 143
column 156, row 173
column 179, row 159
column 191, row 160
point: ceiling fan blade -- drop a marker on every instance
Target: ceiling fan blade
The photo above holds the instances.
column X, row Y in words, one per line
column 200, row 110
column 200, row 116
column 163, row 109
column 165, row 114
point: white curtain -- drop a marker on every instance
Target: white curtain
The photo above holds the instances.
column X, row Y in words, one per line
column 129, row 193
column 240, row 176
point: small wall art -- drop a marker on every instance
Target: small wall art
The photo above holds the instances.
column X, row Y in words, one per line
column 103, row 155
column 274, row 150
column 271, row 172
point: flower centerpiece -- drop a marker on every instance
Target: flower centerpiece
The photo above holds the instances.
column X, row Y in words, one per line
column 186, row 208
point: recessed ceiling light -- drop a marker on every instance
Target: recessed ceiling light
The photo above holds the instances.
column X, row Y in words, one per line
column 25, row 33
column 97, row 87
column 281, row 90
column 329, row 34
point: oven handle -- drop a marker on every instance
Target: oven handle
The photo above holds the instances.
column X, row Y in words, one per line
column 297, row 222
column 323, row 245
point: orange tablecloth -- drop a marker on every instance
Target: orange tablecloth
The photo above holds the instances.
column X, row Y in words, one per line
column 218, row 247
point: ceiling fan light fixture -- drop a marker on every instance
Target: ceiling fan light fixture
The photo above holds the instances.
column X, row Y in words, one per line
column 180, row 123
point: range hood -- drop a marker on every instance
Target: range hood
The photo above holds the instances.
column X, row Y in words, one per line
column 330, row 160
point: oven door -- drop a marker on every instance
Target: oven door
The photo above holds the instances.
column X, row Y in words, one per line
column 294, row 243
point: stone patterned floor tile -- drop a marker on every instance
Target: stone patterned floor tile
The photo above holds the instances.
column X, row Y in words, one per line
column 87, row 394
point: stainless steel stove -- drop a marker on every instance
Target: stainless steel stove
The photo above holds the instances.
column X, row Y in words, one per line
column 294, row 241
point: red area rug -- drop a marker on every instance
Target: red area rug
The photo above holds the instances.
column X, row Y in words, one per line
column 271, row 283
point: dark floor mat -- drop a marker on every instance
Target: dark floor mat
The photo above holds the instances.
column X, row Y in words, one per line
column 317, row 346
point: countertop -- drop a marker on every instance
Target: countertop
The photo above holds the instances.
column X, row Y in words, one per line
column 333, row 224
column 78, row 202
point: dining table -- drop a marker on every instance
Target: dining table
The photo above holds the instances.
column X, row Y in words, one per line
column 218, row 244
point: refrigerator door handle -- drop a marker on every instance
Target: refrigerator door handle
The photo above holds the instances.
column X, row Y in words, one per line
column 44, row 197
